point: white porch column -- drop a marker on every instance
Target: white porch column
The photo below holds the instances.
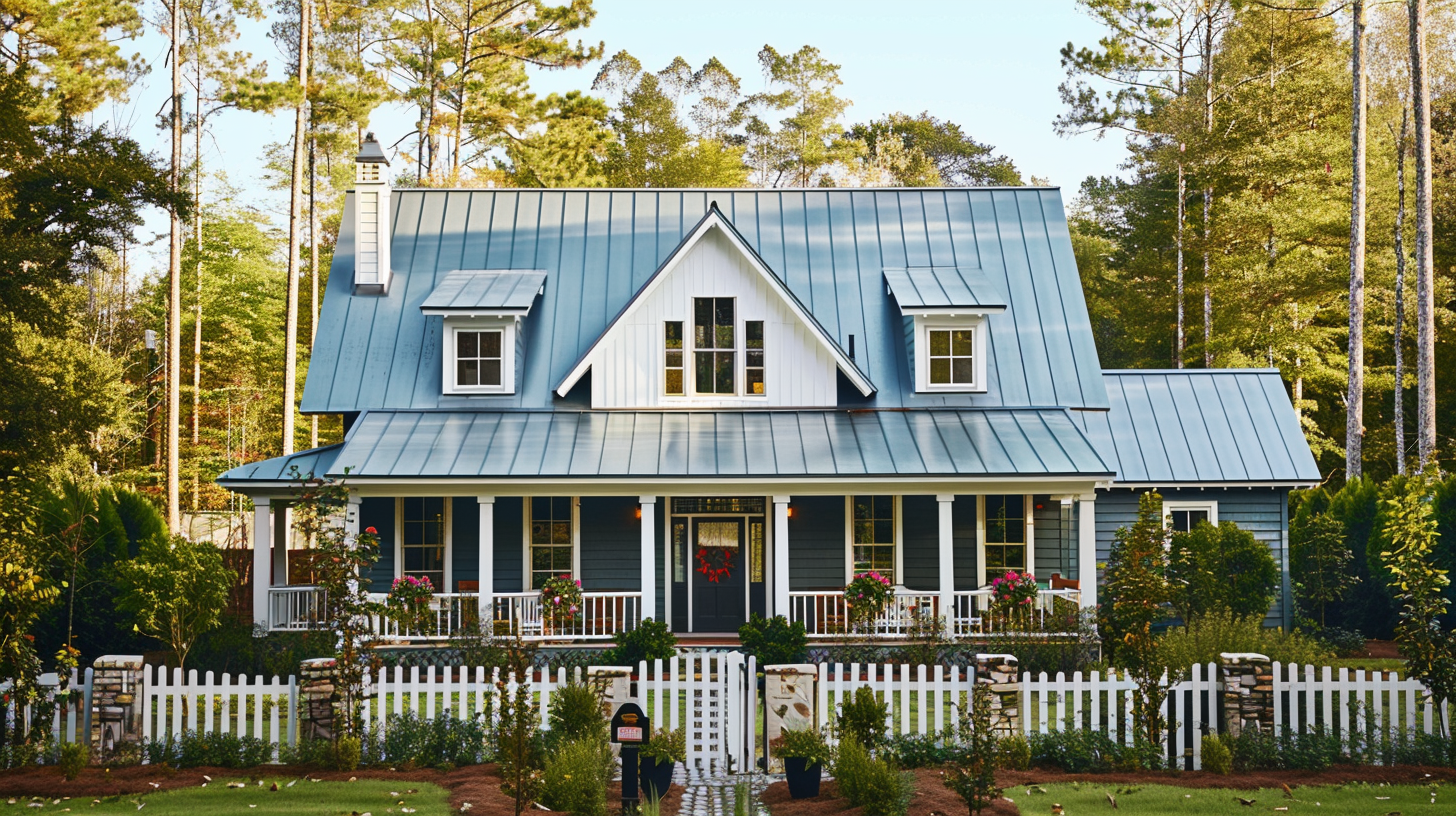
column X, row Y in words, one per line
column 947, row 561
column 649, row 557
column 486, row 571
column 262, row 544
column 781, row 556
column 1087, row 548
column 352, row 526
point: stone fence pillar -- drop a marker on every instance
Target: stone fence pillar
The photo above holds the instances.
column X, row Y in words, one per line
column 116, row 696
column 789, row 697
column 316, row 698
column 1000, row 674
column 1248, row 691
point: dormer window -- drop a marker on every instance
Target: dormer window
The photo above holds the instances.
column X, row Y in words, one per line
column 950, row 353
column 480, row 355
column 478, row 358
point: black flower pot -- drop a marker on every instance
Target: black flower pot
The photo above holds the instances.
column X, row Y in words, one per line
column 803, row 780
column 656, row 776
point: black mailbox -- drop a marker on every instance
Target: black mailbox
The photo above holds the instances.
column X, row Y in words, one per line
column 631, row 729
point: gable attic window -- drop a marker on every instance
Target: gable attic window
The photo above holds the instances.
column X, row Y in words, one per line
column 714, row 345
column 673, row 358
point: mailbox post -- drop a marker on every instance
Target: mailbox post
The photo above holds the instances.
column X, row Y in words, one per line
column 631, row 730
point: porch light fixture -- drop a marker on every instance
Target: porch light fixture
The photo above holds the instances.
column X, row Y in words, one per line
column 638, row 512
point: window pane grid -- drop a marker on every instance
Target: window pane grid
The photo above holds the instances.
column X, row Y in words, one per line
column 753, row 357
column 1005, row 535
column 551, row 539
column 952, row 357
column 673, row 342
column 713, row 344
column 422, row 540
column 873, row 531
column 478, row 358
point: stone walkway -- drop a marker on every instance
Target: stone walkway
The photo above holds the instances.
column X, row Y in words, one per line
column 713, row 793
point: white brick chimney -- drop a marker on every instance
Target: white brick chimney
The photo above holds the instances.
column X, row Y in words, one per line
column 371, row 219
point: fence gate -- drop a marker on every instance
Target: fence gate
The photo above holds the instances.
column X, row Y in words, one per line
column 713, row 696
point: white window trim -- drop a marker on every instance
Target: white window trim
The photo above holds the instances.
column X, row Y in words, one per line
column 1029, row 509
column 1170, row 506
column 923, row 324
column 526, row 540
column 849, row 538
column 449, row 541
column 691, row 395
column 507, row 326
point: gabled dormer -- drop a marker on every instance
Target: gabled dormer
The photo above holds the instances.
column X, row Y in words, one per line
column 482, row 310
column 714, row 327
column 947, row 333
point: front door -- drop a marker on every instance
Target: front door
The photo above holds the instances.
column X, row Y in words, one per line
column 716, row 559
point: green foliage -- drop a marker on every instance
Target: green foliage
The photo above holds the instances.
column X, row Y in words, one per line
column 1036, row 652
column 518, row 741
column 575, row 714
column 1429, row 649
column 1219, row 631
column 1320, row 564
column 1138, row 592
column 1217, row 758
column 651, row 640
column 73, row 758
column 576, row 778
column 807, row 744
column 774, row 641
column 1221, row 567
column 1075, row 750
column 193, row 749
column 347, row 752
column 865, row 597
column 871, row 784
column 175, row 590
column 862, row 718
column 410, row 741
column 1367, row 606
column 810, row 139
column 666, row 745
column 941, row 153
column 971, row 772
column 910, row 751
column 1343, row 642
column 1262, row 750
column 1014, row 753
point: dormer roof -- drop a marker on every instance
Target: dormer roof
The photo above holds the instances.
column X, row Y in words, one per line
column 484, row 291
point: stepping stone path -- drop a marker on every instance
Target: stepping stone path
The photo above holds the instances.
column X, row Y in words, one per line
column 710, row 793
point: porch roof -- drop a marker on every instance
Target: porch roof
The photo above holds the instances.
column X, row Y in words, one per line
column 709, row 444
column 309, row 463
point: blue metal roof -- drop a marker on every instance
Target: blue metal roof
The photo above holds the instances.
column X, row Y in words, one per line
column 1200, row 426
column 940, row 287
column 476, row 290
column 308, row 464
column 583, row 444
column 598, row 247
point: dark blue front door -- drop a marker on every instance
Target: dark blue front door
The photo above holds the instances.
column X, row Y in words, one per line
column 716, row 558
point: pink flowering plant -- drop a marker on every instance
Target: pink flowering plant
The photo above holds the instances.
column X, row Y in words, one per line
column 560, row 601
column 409, row 602
column 1013, row 594
column 866, row 597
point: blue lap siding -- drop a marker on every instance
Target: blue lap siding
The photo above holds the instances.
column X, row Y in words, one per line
column 816, row 543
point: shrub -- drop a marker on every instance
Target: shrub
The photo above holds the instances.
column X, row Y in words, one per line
column 910, row 751
column 318, row 752
column 1074, row 751
column 410, row 741
column 560, row 601
column 1343, row 642
column 576, row 778
column 347, row 753
column 1014, row 753
column 666, row 746
column 1036, row 652
column 1217, row 758
column 1203, row 639
column 192, row 749
column 862, row 718
column 871, row 784
column 74, row 757
column 805, row 743
column 1221, row 567
column 775, row 640
column 1258, row 750
column 651, row 640
column 575, row 713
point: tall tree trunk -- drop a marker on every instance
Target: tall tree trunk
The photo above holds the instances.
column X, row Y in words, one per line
column 295, row 224
column 1355, row 396
column 313, row 263
column 1207, row 67
column 1399, row 329
column 174, row 284
column 1182, row 214
column 1425, row 297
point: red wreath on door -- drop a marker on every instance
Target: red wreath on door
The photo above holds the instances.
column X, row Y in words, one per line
column 715, row 562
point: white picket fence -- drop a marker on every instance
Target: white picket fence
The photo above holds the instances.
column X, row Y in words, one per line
column 922, row 700
column 258, row 707
column 70, row 714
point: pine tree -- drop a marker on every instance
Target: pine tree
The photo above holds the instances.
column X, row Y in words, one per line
column 1425, row 271
column 1355, row 395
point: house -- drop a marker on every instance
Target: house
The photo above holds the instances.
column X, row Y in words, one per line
column 710, row 403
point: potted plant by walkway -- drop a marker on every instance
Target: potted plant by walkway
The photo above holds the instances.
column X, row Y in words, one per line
column 657, row 758
column 805, row 753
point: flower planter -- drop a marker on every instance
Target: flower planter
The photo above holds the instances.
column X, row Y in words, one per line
column 656, row 777
column 803, row 781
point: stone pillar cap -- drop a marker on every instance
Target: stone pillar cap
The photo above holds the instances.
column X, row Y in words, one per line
column 791, row 668
column 1238, row 656
column 609, row 670
column 1002, row 657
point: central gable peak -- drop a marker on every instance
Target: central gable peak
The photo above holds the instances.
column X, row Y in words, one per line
column 715, row 327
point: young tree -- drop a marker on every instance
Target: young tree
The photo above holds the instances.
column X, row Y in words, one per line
column 1429, row 648
column 971, row 773
column 1320, row 564
column 1138, row 594
column 1355, row 393
column 24, row 592
column 810, row 139
column 175, row 590
column 1221, row 567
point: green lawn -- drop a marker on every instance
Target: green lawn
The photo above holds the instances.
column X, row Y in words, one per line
column 1343, row 800
column 376, row 797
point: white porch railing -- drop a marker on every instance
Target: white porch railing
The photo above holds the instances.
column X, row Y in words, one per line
column 824, row 614
column 603, row 614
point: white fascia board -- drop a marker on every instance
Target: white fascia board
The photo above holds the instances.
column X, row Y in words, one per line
column 477, row 312
column 950, row 311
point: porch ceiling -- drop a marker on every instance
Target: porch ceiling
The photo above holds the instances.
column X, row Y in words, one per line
column 1024, row 443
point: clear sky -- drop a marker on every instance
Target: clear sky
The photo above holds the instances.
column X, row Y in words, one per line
column 991, row 66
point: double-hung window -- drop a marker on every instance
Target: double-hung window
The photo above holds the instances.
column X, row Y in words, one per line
column 1005, row 535
column 873, row 535
column 422, row 540
column 714, row 346
column 1184, row 516
column 552, row 538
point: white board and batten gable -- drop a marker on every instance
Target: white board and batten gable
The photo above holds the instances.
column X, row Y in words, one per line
column 800, row 362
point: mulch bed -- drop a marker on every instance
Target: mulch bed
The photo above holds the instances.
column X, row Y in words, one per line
column 1383, row 648
column 931, row 797
column 479, row 785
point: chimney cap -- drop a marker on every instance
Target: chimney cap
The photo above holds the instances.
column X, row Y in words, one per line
column 370, row 152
